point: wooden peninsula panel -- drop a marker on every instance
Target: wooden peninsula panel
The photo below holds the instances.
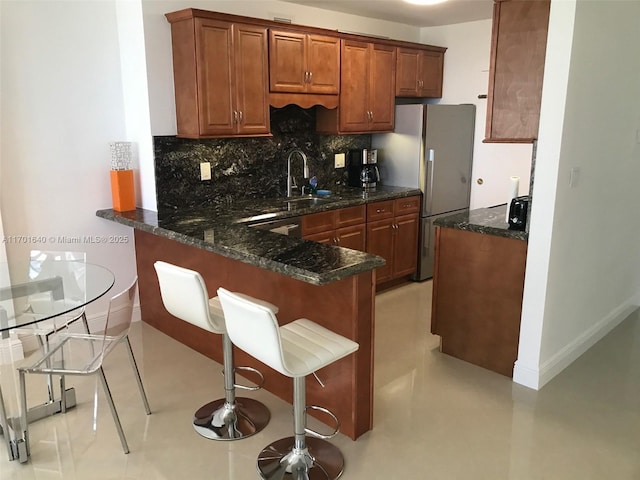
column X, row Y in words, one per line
column 478, row 284
column 345, row 306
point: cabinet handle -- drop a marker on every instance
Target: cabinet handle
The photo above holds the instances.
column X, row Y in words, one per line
column 380, row 210
column 337, row 240
column 310, row 77
column 240, row 116
column 306, row 77
column 235, row 116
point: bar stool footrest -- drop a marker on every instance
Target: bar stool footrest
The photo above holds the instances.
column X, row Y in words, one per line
column 332, row 415
column 253, row 370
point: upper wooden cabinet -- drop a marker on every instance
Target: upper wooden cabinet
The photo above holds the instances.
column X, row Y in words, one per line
column 221, row 77
column 303, row 63
column 419, row 73
column 518, row 47
column 367, row 90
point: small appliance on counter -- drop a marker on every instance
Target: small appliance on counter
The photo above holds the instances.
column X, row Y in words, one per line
column 362, row 168
column 518, row 213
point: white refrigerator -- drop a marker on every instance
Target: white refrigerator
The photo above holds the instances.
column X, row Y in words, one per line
column 430, row 149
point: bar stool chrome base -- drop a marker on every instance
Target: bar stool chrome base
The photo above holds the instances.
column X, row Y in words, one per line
column 320, row 460
column 221, row 420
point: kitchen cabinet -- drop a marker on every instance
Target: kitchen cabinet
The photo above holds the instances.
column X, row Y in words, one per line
column 220, row 75
column 344, row 227
column 392, row 233
column 419, row 73
column 303, row 63
column 367, row 90
column 516, row 70
column 478, row 284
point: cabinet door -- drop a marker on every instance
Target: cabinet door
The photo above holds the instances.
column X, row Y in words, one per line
column 405, row 248
column 380, row 242
column 430, row 77
column 323, row 64
column 382, row 94
column 352, row 237
column 407, row 73
column 516, row 70
column 354, row 87
column 287, row 63
column 214, row 72
column 327, row 237
column 251, row 64
column 320, row 222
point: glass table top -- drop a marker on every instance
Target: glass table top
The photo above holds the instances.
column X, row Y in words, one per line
column 33, row 291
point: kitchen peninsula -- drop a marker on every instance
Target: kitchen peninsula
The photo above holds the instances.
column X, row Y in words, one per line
column 328, row 284
column 478, row 284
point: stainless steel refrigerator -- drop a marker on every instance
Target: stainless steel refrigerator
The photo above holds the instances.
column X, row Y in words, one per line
column 431, row 149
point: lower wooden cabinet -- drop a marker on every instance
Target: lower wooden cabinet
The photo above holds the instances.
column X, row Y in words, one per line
column 478, row 284
column 392, row 233
column 344, row 227
column 388, row 229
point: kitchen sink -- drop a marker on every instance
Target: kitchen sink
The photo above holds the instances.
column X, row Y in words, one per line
column 308, row 201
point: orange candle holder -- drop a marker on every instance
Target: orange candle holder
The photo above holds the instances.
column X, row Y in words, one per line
column 122, row 193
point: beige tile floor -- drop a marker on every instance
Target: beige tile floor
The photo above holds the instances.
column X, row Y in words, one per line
column 435, row 417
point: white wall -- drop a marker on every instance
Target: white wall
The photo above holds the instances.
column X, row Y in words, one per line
column 62, row 103
column 466, row 75
column 583, row 268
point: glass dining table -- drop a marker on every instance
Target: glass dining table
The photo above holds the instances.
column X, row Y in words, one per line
column 37, row 299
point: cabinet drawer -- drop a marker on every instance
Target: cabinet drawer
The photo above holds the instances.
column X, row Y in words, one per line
column 380, row 210
column 407, row 205
column 346, row 217
column 317, row 222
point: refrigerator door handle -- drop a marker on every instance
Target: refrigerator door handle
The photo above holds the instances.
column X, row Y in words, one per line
column 429, row 192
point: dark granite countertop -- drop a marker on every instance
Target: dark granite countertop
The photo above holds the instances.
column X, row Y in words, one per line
column 490, row 221
column 223, row 229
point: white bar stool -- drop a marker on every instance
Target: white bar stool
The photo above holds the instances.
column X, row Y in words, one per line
column 185, row 296
column 296, row 350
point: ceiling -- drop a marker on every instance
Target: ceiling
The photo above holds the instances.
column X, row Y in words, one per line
column 449, row 12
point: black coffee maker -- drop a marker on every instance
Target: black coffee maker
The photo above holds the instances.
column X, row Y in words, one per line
column 362, row 168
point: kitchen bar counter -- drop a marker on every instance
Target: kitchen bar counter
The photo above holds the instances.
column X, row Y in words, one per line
column 490, row 221
column 329, row 285
column 223, row 229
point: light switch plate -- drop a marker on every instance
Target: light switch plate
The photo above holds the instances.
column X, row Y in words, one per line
column 205, row 171
column 339, row 160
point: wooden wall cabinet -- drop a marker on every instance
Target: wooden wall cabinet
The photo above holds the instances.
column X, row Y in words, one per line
column 221, row 77
column 367, row 90
column 303, row 63
column 344, row 227
column 516, row 70
column 392, row 233
column 419, row 73
column 478, row 284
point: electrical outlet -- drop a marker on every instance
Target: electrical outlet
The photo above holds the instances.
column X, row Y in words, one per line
column 205, row 171
column 339, row 160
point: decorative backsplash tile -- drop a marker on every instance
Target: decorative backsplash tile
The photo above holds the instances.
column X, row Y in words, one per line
column 242, row 167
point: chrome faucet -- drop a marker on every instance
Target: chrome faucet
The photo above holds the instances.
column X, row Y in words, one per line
column 291, row 181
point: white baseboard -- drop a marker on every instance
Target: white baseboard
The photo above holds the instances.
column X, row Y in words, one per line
column 536, row 379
